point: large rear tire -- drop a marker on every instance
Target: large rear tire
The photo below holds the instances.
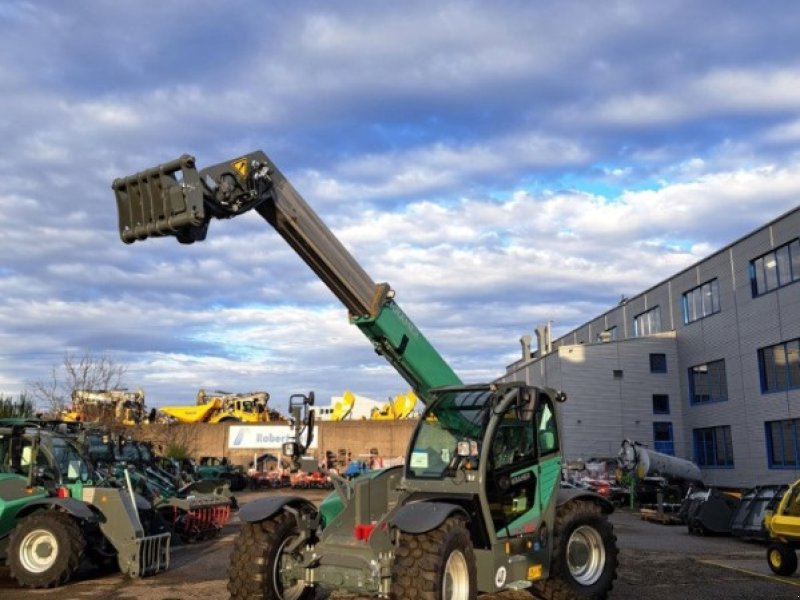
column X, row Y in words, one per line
column 584, row 558
column 45, row 549
column 437, row 565
column 258, row 554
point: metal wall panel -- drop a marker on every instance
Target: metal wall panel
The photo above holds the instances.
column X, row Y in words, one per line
column 623, row 407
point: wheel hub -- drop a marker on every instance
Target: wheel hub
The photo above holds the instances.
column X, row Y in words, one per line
column 455, row 580
column 38, row 551
column 286, row 588
column 775, row 558
column 586, row 555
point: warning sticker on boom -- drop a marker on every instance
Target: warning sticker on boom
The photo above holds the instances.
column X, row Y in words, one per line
column 240, row 166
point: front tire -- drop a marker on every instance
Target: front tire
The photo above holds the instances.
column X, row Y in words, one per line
column 437, row 565
column 258, row 554
column 584, row 559
column 782, row 559
column 45, row 549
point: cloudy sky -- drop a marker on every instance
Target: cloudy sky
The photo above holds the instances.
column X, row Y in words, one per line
column 500, row 164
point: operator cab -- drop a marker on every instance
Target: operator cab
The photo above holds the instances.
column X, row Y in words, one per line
column 52, row 460
column 502, row 438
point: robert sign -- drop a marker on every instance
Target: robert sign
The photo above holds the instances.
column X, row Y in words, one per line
column 262, row 436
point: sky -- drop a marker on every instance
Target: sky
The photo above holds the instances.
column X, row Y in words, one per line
column 500, row 164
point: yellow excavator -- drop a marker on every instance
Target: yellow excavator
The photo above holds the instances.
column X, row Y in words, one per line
column 344, row 407
column 222, row 407
column 401, row 407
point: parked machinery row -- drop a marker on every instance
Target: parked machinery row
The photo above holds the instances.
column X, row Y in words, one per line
column 57, row 511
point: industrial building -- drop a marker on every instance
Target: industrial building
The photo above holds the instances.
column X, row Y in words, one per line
column 704, row 365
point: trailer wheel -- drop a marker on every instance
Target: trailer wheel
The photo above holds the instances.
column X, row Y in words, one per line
column 584, row 556
column 258, row 556
column 781, row 559
column 45, row 549
column 437, row 565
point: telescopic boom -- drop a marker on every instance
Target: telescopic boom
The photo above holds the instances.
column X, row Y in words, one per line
column 175, row 199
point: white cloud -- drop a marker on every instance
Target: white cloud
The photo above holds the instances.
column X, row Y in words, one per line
column 735, row 91
column 498, row 167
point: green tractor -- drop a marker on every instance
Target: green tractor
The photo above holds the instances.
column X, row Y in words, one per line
column 55, row 513
column 477, row 506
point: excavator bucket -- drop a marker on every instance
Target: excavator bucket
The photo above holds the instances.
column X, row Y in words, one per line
column 164, row 200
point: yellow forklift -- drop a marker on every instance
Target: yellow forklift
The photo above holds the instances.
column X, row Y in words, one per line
column 783, row 528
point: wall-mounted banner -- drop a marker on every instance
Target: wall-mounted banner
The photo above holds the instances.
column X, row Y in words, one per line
column 263, row 436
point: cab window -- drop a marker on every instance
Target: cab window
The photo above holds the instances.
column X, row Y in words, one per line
column 546, row 428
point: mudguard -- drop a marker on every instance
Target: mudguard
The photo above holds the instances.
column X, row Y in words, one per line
column 262, row 509
column 419, row 517
column 76, row 508
column 567, row 495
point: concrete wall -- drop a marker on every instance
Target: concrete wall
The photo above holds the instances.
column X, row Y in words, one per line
column 356, row 437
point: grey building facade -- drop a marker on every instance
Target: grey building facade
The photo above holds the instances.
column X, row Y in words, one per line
column 704, row 365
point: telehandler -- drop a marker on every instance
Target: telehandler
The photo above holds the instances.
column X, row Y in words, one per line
column 57, row 512
column 477, row 505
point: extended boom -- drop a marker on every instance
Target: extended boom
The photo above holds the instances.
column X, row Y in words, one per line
column 175, row 199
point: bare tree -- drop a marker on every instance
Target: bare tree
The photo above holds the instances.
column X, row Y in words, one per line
column 85, row 372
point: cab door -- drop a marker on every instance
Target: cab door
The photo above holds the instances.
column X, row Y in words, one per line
column 513, row 470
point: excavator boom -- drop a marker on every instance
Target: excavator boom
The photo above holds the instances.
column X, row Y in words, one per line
column 175, row 199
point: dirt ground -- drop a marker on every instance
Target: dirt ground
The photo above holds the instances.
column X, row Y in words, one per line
column 656, row 562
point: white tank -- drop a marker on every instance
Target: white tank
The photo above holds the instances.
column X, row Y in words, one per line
column 644, row 462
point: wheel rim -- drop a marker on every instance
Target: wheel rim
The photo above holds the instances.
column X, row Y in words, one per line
column 285, row 588
column 455, row 582
column 586, row 555
column 775, row 558
column 38, row 551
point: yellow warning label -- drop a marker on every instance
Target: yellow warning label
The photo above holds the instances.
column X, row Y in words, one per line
column 535, row 572
column 240, row 166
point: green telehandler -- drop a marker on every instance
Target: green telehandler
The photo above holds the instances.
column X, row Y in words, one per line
column 56, row 512
column 477, row 505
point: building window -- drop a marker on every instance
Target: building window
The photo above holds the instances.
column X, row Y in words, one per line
column 775, row 269
column 660, row 404
column 647, row 323
column 701, row 301
column 713, row 446
column 617, row 373
column 662, row 438
column 658, row 363
column 782, row 444
column 707, row 383
column 780, row 366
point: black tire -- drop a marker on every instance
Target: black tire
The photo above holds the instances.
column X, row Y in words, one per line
column 45, row 549
column 436, row 565
column 782, row 559
column 256, row 558
column 584, row 557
